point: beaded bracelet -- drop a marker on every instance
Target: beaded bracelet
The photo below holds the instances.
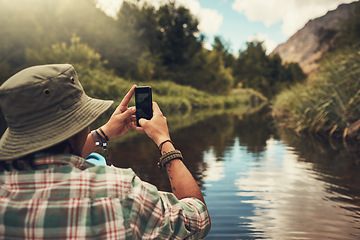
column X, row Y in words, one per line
column 101, row 142
column 169, row 156
column 96, row 139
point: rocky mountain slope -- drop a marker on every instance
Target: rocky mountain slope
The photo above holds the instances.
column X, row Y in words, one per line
column 308, row 44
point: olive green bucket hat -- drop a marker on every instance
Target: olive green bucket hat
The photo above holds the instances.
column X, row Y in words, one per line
column 44, row 105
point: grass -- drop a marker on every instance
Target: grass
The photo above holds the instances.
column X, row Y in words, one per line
column 182, row 105
column 329, row 102
column 172, row 97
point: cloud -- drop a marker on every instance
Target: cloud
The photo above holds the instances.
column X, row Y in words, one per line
column 293, row 14
column 210, row 20
column 110, row 7
column 268, row 44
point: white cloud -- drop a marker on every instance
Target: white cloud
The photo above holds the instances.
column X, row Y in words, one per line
column 292, row 13
column 210, row 20
column 110, row 7
column 268, row 44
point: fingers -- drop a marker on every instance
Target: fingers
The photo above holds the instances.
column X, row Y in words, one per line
column 129, row 112
column 125, row 102
column 134, row 126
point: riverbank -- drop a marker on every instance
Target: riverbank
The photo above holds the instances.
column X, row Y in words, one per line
column 328, row 103
column 172, row 97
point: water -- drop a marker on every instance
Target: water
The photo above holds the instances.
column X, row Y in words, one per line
column 260, row 182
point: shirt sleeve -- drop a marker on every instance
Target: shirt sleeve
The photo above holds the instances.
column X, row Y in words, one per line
column 160, row 215
column 188, row 217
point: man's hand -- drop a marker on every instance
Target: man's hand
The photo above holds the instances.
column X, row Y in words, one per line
column 122, row 119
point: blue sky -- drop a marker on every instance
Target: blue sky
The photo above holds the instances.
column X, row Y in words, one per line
column 240, row 21
column 237, row 29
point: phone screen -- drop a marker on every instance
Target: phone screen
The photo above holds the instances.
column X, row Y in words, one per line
column 143, row 102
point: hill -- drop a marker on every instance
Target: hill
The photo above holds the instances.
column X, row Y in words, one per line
column 308, row 45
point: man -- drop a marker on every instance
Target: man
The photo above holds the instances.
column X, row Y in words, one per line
column 48, row 191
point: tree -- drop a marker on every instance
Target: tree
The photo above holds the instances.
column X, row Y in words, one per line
column 266, row 74
column 224, row 48
column 178, row 44
column 76, row 53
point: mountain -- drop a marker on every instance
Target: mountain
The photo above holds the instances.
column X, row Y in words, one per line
column 307, row 45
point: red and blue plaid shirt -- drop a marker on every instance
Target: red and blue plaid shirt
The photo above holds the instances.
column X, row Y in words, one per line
column 66, row 197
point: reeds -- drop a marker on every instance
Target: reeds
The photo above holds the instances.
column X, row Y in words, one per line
column 328, row 102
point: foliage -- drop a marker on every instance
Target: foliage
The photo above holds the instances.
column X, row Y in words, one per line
column 329, row 102
column 143, row 43
column 78, row 54
column 223, row 47
column 254, row 69
column 35, row 24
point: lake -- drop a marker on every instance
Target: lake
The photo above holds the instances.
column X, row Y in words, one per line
column 259, row 182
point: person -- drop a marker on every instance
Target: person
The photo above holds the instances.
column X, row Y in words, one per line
column 49, row 191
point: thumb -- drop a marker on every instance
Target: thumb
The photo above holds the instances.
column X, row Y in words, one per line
column 142, row 121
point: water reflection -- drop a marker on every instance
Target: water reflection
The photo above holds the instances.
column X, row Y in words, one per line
column 260, row 183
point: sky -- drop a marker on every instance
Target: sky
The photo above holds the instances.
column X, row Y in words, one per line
column 241, row 21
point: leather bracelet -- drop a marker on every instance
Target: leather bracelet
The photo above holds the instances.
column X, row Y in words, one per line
column 106, row 137
column 161, row 144
column 169, row 156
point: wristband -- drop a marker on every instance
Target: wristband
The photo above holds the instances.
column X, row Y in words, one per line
column 161, row 144
column 169, row 156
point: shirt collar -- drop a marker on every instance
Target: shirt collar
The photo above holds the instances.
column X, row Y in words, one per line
column 62, row 159
column 45, row 160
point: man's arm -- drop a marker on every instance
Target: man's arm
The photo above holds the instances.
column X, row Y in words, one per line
column 182, row 182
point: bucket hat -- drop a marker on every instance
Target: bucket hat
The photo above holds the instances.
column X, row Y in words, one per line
column 44, row 105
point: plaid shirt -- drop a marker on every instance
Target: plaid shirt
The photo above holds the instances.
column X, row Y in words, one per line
column 66, row 197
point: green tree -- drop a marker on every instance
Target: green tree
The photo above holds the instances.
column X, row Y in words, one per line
column 35, row 24
column 138, row 25
column 76, row 53
column 210, row 73
column 178, row 27
column 266, row 74
column 223, row 47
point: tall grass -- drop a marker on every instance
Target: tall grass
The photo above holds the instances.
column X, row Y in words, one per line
column 329, row 102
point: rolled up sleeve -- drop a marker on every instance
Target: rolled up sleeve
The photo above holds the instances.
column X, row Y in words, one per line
column 166, row 217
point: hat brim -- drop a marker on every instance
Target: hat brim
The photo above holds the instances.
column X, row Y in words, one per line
column 16, row 143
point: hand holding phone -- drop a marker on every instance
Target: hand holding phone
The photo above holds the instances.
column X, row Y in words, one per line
column 156, row 128
column 143, row 103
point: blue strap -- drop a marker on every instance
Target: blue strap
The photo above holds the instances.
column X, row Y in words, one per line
column 96, row 159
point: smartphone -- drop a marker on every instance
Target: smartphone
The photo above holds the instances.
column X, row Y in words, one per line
column 143, row 103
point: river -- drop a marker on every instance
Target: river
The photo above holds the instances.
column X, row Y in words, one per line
column 259, row 182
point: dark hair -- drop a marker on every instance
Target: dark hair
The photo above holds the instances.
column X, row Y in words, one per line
column 27, row 161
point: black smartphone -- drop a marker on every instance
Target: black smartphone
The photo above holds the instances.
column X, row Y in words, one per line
column 143, row 103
